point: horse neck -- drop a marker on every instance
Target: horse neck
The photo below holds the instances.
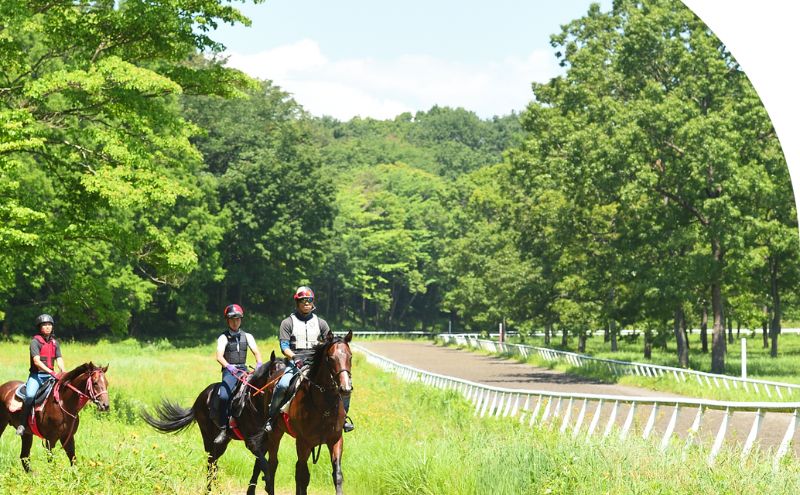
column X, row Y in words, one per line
column 68, row 396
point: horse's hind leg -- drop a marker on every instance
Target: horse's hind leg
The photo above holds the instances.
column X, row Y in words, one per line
column 69, row 448
column 272, row 460
column 25, row 452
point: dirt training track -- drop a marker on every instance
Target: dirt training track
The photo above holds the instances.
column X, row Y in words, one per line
column 508, row 373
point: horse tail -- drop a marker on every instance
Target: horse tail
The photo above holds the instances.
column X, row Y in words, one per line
column 170, row 417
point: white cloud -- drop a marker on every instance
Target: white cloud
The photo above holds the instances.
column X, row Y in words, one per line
column 384, row 88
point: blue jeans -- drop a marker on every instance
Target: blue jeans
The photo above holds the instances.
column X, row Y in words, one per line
column 35, row 380
column 225, row 391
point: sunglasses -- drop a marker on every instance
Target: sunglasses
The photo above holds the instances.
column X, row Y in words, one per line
column 305, row 300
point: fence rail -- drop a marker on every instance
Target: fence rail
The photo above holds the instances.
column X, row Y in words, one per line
column 569, row 411
column 780, row 390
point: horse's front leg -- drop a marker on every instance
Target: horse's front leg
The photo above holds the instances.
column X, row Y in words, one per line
column 336, row 448
column 68, row 442
column 50, row 444
column 301, row 474
column 25, row 452
column 273, row 443
column 251, row 487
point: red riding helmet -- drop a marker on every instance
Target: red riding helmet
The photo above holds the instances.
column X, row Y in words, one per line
column 233, row 311
column 303, row 292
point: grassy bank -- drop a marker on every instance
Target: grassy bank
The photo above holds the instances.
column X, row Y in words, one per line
column 409, row 439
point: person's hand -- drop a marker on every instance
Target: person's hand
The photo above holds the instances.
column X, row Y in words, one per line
column 298, row 361
column 231, row 369
column 258, row 364
column 54, row 375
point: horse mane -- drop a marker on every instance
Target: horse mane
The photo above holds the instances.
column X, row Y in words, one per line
column 76, row 372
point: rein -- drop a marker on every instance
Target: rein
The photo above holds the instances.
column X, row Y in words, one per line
column 83, row 397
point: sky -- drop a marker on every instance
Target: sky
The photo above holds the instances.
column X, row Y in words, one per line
column 377, row 59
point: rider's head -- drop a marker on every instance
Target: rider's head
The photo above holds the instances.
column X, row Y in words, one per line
column 44, row 323
column 304, row 300
column 233, row 316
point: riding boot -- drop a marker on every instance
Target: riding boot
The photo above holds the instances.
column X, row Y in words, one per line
column 26, row 411
column 221, row 436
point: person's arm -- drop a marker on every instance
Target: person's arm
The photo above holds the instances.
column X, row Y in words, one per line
column 221, row 343
column 60, row 363
column 285, row 337
column 251, row 343
column 324, row 330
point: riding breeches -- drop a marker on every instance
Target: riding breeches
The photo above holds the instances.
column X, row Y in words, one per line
column 35, row 380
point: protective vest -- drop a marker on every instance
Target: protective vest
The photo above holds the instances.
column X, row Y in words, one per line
column 236, row 349
column 47, row 353
column 305, row 334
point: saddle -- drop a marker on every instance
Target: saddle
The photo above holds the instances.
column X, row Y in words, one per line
column 294, row 386
column 237, row 401
column 41, row 395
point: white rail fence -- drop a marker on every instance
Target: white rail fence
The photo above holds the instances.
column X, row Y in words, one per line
column 780, row 390
column 601, row 415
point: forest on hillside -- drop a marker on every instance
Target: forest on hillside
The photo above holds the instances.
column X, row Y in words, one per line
column 144, row 185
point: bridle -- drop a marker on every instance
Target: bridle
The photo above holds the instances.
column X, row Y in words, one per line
column 84, row 396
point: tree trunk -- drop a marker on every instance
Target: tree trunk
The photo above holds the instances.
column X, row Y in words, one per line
column 730, row 330
column 548, row 329
column 718, row 344
column 648, row 344
column 613, row 331
column 775, row 327
column 764, row 325
column 704, row 330
column 680, row 338
column 738, row 329
column 564, row 337
column 582, row 343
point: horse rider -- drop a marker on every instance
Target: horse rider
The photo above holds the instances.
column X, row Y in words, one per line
column 45, row 353
column 232, row 347
column 298, row 335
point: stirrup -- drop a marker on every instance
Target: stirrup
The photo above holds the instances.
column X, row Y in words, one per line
column 348, row 424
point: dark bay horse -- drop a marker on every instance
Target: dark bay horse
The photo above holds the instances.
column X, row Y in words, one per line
column 316, row 414
column 58, row 419
column 174, row 418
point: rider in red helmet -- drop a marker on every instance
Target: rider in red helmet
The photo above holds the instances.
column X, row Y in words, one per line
column 232, row 347
column 45, row 355
column 298, row 335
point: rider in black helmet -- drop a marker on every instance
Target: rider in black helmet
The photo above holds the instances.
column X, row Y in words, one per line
column 45, row 354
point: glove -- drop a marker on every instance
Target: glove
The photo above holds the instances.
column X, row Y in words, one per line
column 298, row 362
column 258, row 364
column 232, row 369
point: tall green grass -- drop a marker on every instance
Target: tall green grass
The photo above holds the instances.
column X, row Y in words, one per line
column 409, row 440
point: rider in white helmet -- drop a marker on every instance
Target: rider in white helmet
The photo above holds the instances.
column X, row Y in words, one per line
column 298, row 335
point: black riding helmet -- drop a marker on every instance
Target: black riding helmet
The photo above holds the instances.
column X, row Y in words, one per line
column 44, row 318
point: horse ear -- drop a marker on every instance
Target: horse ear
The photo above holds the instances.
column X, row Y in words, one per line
column 105, row 368
column 329, row 337
column 272, row 355
column 348, row 337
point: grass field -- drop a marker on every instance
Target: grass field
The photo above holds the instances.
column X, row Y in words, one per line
column 409, row 440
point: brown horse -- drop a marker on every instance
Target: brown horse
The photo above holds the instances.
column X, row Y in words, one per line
column 58, row 418
column 316, row 414
column 250, row 423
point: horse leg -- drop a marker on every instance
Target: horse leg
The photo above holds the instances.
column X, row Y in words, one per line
column 50, row 445
column 251, row 487
column 301, row 474
column 336, row 448
column 274, row 442
column 213, row 452
column 69, row 448
column 25, row 452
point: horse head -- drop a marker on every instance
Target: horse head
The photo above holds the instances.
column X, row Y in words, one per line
column 339, row 360
column 90, row 382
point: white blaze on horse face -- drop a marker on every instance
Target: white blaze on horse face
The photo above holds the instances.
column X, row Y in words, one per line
column 343, row 358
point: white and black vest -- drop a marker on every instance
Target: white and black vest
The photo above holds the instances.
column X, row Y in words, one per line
column 236, row 349
column 305, row 334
